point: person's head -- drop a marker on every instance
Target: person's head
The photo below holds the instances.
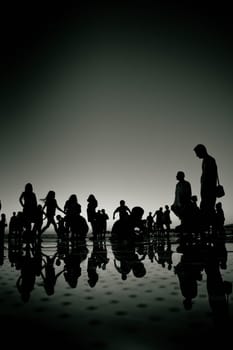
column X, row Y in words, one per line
column 122, row 202
column 91, row 198
column 180, row 175
column 137, row 213
column 93, row 279
column 200, row 150
column 73, row 198
column 28, row 187
column 138, row 269
column 50, row 195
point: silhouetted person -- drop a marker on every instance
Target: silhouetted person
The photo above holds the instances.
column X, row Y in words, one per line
column 13, row 224
column 71, row 209
column 61, row 227
column 50, row 205
column 150, row 222
column 159, row 220
column 219, row 219
column 208, row 185
column 3, row 225
column 125, row 228
column 28, row 201
column 136, row 220
column 122, row 210
column 182, row 202
column 104, row 219
column 91, row 212
column 167, row 219
column 79, row 227
column 195, row 219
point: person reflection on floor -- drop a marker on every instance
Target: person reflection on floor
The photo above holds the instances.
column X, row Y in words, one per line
column 72, row 262
column 189, row 271
column 92, row 273
column 163, row 252
column 218, row 289
column 126, row 259
column 49, row 275
column 26, row 281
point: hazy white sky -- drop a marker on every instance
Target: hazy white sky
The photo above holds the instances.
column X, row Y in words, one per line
column 116, row 109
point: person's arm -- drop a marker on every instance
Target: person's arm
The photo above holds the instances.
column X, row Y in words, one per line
column 114, row 213
column 127, row 209
column 21, row 199
column 190, row 191
column 58, row 208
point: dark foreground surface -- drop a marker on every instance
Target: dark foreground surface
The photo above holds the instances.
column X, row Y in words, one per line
column 116, row 295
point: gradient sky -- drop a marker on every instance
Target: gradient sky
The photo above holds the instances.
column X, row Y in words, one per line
column 112, row 99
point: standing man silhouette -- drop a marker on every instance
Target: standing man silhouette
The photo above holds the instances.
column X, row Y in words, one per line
column 208, row 185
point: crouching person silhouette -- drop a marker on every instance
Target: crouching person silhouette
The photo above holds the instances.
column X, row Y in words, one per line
column 125, row 229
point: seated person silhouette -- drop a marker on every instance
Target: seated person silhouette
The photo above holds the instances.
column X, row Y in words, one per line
column 125, row 229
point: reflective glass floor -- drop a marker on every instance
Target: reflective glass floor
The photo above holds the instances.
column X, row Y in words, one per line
column 155, row 293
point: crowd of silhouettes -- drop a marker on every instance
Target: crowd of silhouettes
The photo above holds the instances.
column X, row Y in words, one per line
column 208, row 217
